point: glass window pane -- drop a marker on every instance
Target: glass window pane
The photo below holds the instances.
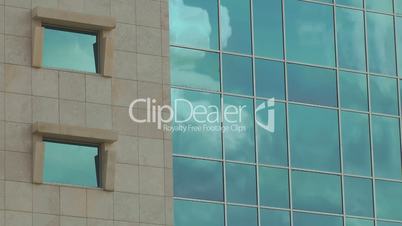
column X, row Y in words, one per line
column 307, row 219
column 71, row 164
column 398, row 27
column 312, row 85
column 351, row 41
column 274, row 218
column 241, row 216
column 198, row 214
column 398, row 6
column 353, row 88
column 381, row 46
column 197, row 179
column 270, row 81
column 308, row 151
column 268, row 28
column 241, row 183
column 358, row 197
column 272, row 146
column 235, row 26
column 237, row 75
column 384, row 95
column 383, row 5
column 354, row 3
column 193, row 68
column 389, row 200
column 358, row 222
column 194, row 23
column 239, row 134
column 383, row 223
column 310, row 40
column 274, row 189
column 386, row 145
column 356, row 144
column 316, row 192
column 203, row 142
column 70, row 50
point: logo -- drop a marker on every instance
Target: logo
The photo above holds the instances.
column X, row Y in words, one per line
column 269, row 107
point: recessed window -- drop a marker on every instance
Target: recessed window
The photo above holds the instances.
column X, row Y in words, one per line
column 70, row 50
column 74, row 164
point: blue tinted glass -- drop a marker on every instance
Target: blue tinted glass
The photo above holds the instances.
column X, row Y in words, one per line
column 312, row 85
column 241, row 183
column 198, row 179
column 307, row 219
column 270, row 81
column 308, row 39
column 384, row 95
column 268, row 28
column 351, row 41
column 237, row 75
column 193, row 68
column 306, row 124
column 71, row 164
column 381, row 46
column 241, row 216
column 358, row 222
column 316, row 192
column 272, row 145
column 383, row 223
column 274, row 217
column 382, row 5
column 70, row 50
column 398, row 27
column 274, row 189
column 398, row 7
column 353, row 88
column 389, row 200
column 356, row 144
column 235, row 26
column 203, row 142
column 354, row 3
column 198, row 214
column 194, row 23
column 386, row 145
column 239, row 135
column 358, row 197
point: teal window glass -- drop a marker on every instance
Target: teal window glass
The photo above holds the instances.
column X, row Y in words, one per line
column 384, row 223
column 353, row 3
column 384, row 95
column 308, row 219
column 356, row 144
column 398, row 27
column 358, row 222
column 195, row 69
column 307, row 151
column 268, row 38
column 198, row 214
column 382, row 5
column 237, row 75
column 235, row 26
column 241, row 184
column 398, row 7
column 241, row 216
column 275, row 217
column 203, row 143
column 71, row 50
column 308, row 39
column 239, row 137
column 351, row 41
column 316, row 192
column 353, row 88
column 312, row 85
column 389, row 200
column 194, row 23
column 272, row 146
column 381, row 46
column 71, row 164
column 274, row 188
column 386, row 145
column 198, row 179
column 358, row 197
column 270, row 81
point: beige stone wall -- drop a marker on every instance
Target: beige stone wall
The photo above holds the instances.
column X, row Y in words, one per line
column 143, row 186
